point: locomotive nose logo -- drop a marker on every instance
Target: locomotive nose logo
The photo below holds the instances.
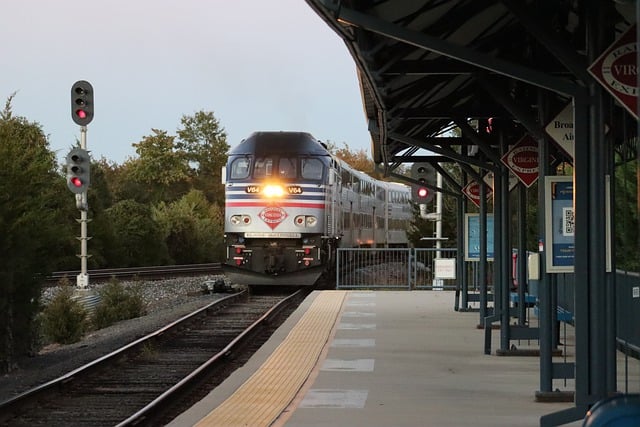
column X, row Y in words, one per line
column 272, row 216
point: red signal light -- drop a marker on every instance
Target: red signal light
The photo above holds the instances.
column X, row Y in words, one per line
column 423, row 192
column 81, row 114
column 77, row 182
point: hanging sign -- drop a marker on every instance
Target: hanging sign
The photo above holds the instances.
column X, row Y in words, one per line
column 616, row 70
column 472, row 191
column 488, row 178
column 560, row 129
column 522, row 160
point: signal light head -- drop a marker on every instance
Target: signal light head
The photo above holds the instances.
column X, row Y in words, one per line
column 82, row 102
column 78, row 170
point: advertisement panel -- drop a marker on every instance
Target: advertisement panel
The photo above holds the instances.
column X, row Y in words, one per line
column 560, row 221
column 472, row 237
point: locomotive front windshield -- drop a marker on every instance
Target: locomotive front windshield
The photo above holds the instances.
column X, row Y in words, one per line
column 288, row 168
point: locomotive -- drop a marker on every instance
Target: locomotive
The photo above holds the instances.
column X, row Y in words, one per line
column 290, row 204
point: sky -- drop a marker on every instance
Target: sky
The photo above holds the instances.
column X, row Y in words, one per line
column 257, row 65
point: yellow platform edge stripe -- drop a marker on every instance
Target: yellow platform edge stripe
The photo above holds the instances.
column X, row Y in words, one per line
column 263, row 397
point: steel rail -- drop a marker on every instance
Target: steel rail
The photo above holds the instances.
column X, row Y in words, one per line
column 30, row 395
column 149, row 271
column 181, row 387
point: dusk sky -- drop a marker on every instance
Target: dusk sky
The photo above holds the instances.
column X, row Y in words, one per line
column 257, row 65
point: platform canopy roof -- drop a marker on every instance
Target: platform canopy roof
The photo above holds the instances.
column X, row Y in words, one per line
column 426, row 66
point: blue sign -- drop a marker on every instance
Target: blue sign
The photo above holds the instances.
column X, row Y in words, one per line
column 472, row 237
column 560, row 223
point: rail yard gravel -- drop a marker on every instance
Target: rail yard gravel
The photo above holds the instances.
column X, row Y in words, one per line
column 166, row 300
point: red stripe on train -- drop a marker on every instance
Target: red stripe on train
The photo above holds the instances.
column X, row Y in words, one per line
column 281, row 204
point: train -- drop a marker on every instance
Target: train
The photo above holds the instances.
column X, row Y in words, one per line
column 290, row 204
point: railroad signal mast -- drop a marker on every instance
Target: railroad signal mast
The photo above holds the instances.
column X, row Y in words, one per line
column 79, row 168
column 423, row 193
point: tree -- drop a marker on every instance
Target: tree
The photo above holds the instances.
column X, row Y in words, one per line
column 420, row 228
column 358, row 160
column 160, row 168
column 32, row 229
column 626, row 217
column 192, row 228
column 137, row 237
column 203, row 142
column 102, row 244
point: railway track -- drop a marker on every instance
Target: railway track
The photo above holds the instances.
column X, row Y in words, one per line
column 155, row 378
column 152, row 272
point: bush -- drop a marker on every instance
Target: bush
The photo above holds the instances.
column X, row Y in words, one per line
column 117, row 303
column 64, row 319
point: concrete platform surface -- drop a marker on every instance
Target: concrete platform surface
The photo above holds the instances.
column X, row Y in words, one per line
column 402, row 358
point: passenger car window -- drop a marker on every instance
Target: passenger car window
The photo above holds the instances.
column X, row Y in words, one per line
column 312, row 169
column 240, row 168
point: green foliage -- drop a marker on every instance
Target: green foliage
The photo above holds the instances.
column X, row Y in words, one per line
column 117, row 303
column 203, row 142
column 32, row 227
column 192, row 228
column 159, row 166
column 419, row 228
column 625, row 213
column 64, row 319
column 137, row 237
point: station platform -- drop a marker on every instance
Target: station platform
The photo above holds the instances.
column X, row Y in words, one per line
column 377, row 359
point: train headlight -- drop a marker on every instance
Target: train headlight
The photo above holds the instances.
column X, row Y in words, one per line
column 272, row 191
column 240, row 219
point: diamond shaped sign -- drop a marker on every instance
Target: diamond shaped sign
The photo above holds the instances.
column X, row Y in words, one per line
column 615, row 70
column 522, row 160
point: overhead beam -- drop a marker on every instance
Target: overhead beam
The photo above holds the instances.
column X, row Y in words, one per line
column 441, row 67
column 517, row 111
column 415, row 38
column 440, row 150
column 448, row 113
column 424, row 184
column 421, row 159
column 473, row 136
column 559, row 48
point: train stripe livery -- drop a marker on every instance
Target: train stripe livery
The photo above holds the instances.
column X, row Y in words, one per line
column 289, row 204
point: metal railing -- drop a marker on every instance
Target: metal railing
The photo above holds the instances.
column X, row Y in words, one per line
column 393, row 268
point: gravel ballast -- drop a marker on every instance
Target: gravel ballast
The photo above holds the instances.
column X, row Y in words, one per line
column 166, row 300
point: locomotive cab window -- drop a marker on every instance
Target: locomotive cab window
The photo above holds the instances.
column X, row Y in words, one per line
column 287, row 167
column 312, row 169
column 240, row 168
column 263, row 167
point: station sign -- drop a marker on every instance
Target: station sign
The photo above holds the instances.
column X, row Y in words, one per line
column 560, row 129
column 472, row 191
column 522, row 160
column 616, row 70
column 489, row 176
